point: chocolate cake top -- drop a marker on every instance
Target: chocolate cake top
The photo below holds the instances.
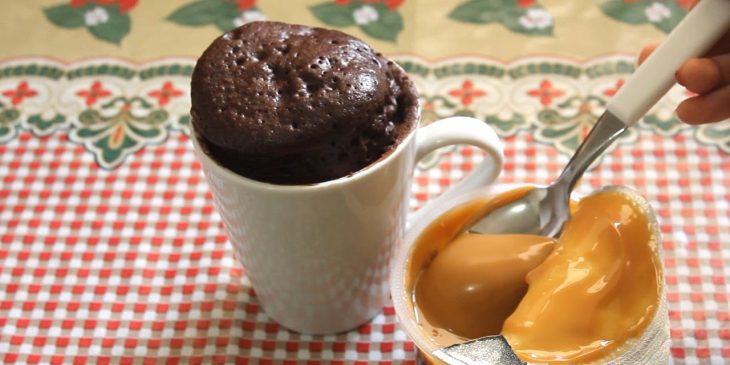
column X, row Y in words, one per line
column 293, row 104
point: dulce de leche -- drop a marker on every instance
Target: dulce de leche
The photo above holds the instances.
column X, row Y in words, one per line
column 576, row 299
column 486, row 278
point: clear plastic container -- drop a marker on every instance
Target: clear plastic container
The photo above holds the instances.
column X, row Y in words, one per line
column 651, row 348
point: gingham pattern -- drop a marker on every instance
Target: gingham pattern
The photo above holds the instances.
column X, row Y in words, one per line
column 132, row 265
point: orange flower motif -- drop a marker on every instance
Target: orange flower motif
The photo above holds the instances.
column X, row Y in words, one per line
column 123, row 5
column 467, row 93
column 610, row 92
column 164, row 94
column 393, row 4
column 546, row 92
column 525, row 3
column 390, row 4
column 245, row 4
column 428, row 106
column 94, row 93
column 21, row 92
column 687, row 4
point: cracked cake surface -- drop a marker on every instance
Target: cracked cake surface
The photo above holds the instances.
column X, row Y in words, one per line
column 292, row 104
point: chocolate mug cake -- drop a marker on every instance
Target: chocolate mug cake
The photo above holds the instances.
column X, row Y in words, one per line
column 291, row 104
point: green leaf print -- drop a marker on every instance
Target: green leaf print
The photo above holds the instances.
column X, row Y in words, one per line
column 225, row 24
column 530, row 20
column 511, row 19
column 65, row 16
column 333, row 14
column 388, row 25
column 114, row 29
column 667, row 24
column 479, row 11
column 632, row 13
column 205, row 12
column 663, row 14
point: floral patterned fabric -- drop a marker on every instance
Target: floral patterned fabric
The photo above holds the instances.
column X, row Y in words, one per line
column 111, row 251
column 556, row 100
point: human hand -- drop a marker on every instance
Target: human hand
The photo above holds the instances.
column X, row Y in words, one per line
column 709, row 78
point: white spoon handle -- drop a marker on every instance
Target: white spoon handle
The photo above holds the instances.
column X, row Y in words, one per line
column 692, row 37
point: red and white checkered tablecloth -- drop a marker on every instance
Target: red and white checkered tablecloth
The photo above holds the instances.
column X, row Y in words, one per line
column 129, row 263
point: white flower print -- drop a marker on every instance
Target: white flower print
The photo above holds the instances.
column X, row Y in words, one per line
column 96, row 16
column 365, row 14
column 248, row 16
column 536, row 18
column 657, row 12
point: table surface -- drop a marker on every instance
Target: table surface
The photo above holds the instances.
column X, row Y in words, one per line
column 111, row 250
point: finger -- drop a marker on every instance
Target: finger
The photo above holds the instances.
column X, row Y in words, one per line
column 699, row 75
column 647, row 51
column 702, row 75
column 708, row 108
column 723, row 67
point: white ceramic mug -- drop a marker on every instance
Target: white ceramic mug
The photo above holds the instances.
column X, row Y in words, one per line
column 318, row 255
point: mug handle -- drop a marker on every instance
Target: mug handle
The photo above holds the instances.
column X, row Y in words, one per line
column 461, row 130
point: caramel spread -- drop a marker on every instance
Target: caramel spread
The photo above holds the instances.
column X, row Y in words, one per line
column 574, row 303
column 598, row 288
column 486, row 278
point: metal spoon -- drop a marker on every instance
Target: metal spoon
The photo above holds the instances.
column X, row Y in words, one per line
column 544, row 211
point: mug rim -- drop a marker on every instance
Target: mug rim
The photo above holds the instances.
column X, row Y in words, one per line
column 370, row 169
